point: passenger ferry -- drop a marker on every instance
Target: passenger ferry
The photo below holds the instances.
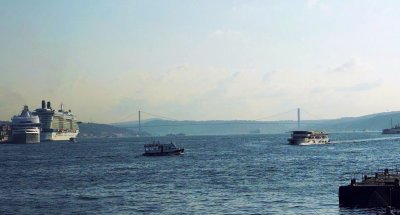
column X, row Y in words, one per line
column 308, row 137
column 162, row 149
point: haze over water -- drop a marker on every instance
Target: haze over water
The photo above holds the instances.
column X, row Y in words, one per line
column 250, row 174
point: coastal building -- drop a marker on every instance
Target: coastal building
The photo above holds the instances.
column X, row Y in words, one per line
column 4, row 133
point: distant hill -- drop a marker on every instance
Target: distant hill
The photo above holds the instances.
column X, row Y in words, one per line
column 156, row 127
column 372, row 122
column 369, row 122
column 104, row 130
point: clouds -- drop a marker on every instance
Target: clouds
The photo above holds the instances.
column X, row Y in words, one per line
column 197, row 60
column 226, row 34
column 347, row 67
column 190, row 92
column 312, row 3
column 353, row 75
column 220, row 93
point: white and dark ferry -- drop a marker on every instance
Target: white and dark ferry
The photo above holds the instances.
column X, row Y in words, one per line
column 57, row 124
column 162, row 149
column 25, row 127
column 308, row 137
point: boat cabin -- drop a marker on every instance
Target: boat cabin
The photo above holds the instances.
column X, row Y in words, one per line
column 159, row 149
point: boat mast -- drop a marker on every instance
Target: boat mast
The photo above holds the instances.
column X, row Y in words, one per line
column 298, row 118
column 139, row 123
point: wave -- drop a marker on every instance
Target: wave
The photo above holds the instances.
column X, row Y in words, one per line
column 365, row 140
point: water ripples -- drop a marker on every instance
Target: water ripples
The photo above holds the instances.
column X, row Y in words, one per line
column 252, row 174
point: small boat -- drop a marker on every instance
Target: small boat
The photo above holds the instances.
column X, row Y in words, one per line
column 72, row 140
column 162, row 149
column 308, row 137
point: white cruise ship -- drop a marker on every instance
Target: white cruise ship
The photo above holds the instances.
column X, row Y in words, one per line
column 57, row 124
column 25, row 127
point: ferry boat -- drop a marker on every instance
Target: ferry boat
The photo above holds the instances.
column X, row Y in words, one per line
column 57, row 124
column 308, row 137
column 379, row 190
column 25, row 127
column 162, row 149
column 392, row 130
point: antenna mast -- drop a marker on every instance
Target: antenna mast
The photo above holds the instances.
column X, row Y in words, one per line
column 298, row 118
column 139, row 123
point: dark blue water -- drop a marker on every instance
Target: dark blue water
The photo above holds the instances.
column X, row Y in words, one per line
column 258, row 174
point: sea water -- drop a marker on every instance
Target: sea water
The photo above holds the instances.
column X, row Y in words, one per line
column 241, row 174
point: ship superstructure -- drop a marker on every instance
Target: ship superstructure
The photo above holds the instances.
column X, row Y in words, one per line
column 308, row 137
column 56, row 124
column 25, row 127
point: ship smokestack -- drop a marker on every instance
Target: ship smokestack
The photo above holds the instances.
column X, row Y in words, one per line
column 43, row 104
column 48, row 105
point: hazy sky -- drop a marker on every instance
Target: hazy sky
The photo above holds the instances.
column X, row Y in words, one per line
column 200, row 60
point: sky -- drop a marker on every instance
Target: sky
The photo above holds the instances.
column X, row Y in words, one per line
column 200, row 60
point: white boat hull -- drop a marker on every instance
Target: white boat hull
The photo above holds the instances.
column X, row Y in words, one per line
column 57, row 136
column 309, row 141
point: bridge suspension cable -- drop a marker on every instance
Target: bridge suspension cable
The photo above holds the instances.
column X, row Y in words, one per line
column 275, row 115
column 160, row 116
column 215, row 122
column 313, row 115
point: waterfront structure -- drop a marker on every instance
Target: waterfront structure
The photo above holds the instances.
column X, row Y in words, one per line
column 4, row 133
column 379, row 190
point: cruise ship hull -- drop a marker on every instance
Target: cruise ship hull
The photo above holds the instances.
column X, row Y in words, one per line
column 26, row 138
column 56, row 136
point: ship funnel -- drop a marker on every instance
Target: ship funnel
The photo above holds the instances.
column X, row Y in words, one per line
column 48, row 105
column 43, row 104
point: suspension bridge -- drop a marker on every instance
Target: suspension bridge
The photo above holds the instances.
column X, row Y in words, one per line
column 164, row 121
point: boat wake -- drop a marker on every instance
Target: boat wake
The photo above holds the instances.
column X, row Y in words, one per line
column 311, row 143
column 366, row 140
